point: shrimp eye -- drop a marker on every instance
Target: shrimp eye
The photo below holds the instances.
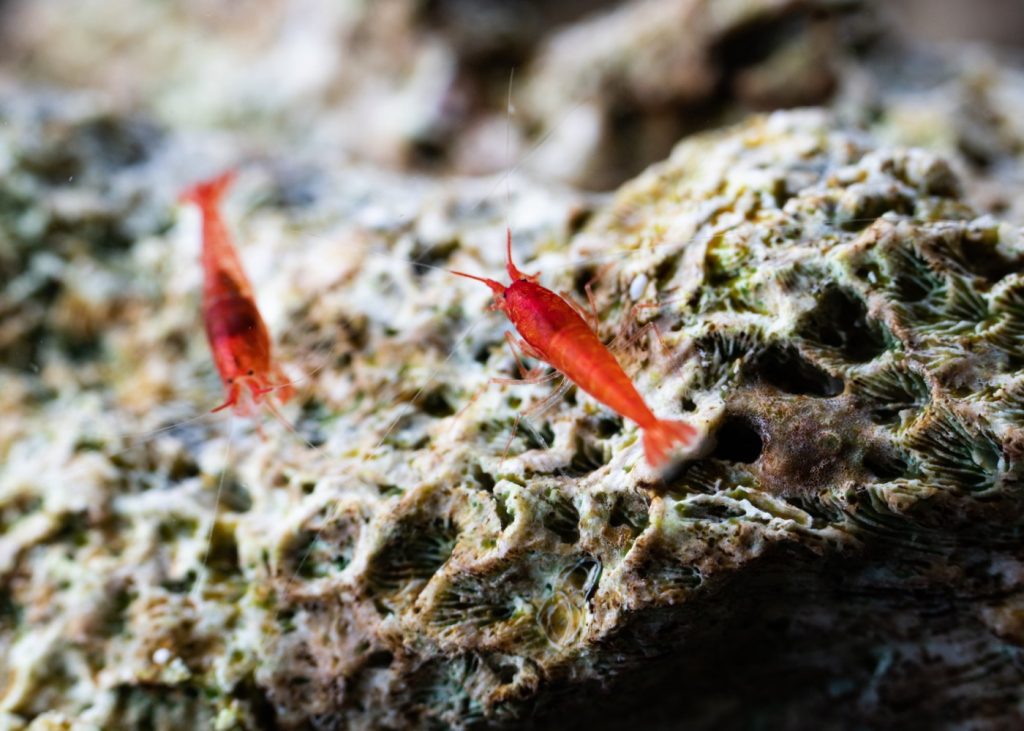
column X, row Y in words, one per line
column 231, row 380
column 251, row 371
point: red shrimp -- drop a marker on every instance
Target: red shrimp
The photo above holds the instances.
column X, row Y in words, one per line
column 238, row 336
column 552, row 330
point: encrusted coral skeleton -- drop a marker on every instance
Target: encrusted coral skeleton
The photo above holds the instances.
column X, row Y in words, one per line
column 843, row 328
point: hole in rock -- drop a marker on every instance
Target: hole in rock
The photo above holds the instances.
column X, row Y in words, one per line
column 583, row 277
column 885, row 464
column 912, row 276
column 841, row 321
column 562, row 517
column 707, row 510
column 436, row 404
column 506, row 674
column 505, row 516
column 379, row 659
column 737, row 441
column 415, row 550
column 788, row 371
column 587, row 457
column 608, row 427
column 484, row 479
column 633, row 514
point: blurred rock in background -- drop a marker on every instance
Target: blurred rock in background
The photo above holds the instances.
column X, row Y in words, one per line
column 599, row 89
column 606, row 87
column 991, row 21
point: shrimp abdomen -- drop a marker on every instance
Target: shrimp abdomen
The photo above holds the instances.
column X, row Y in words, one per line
column 555, row 329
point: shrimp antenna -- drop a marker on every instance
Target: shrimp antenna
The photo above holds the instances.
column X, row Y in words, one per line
column 508, row 150
column 498, row 287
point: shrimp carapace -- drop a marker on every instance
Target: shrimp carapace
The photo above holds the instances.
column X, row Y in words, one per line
column 238, row 336
column 553, row 330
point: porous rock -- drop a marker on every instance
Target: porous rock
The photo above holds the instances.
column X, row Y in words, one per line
column 842, row 541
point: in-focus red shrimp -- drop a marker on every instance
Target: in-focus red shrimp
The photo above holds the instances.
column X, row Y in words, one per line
column 552, row 330
column 238, row 337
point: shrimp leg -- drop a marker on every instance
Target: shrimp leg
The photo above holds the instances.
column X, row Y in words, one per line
column 280, row 383
column 626, row 339
column 588, row 315
column 529, row 375
column 594, row 321
column 538, row 408
column 234, row 391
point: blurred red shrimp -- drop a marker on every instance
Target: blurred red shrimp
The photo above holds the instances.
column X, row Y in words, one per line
column 553, row 330
column 238, row 336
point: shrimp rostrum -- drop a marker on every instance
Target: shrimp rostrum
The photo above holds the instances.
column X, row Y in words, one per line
column 552, row 330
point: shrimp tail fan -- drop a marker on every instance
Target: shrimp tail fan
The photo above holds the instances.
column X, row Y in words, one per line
column 664, row 436
column 208, row 193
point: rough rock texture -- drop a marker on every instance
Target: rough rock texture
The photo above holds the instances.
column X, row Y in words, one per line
column 843, row 544
column 965, row 103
